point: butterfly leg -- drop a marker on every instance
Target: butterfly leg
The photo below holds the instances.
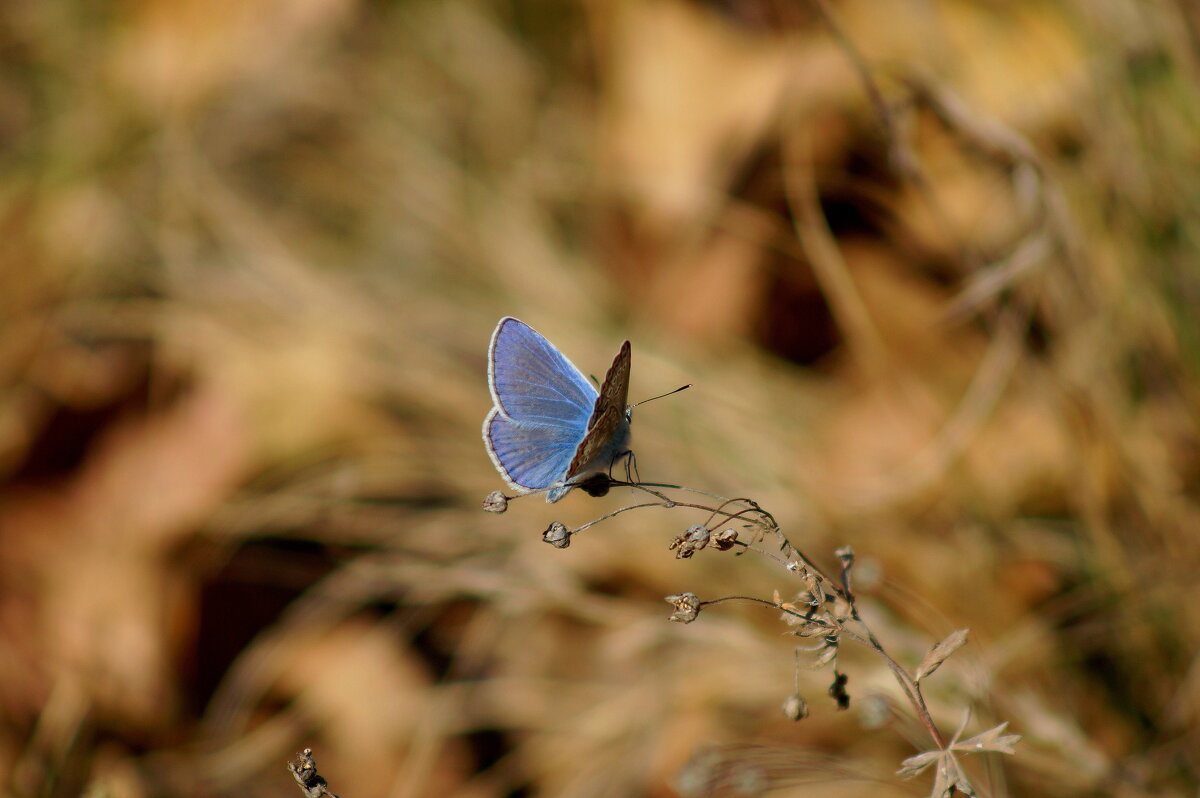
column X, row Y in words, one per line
column 631, row 472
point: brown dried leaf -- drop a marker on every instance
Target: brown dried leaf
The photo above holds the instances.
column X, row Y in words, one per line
column 939, row 653
column 916, row 764
column 993, row 739
column 828, row 654
column 92, row 550
column 950, row 777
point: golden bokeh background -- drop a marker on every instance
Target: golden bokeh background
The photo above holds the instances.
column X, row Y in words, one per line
column 931, row 266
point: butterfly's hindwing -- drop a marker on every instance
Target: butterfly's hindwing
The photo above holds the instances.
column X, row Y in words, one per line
column 529, row 457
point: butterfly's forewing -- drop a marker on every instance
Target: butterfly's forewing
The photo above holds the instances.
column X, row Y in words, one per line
column 607, row 428
column 533, row 383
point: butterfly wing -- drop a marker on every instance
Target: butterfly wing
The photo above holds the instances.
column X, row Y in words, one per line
column 542, row 407
column 529, row 456
column 608, row 429
column 533, row 383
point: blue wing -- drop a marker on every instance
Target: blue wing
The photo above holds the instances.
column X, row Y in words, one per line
column 529, row 456
column 534, row 383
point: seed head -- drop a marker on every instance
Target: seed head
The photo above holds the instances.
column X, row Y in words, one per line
column 725, row 540
column 557, row 535
column 687, row 607
column 495, row 502
column 837, row 690
column 690, row 542
column 795, row 707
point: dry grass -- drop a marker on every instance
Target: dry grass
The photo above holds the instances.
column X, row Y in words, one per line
column 252, row 254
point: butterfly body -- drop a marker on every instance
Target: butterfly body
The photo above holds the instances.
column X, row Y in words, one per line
column 550, row 428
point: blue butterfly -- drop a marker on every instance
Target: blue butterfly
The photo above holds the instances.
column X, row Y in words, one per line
column 550, row 429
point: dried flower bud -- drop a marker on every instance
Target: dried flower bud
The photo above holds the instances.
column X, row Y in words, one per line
column 304, row 771
column 557, row 535
column 690, row 542
column 725, row 540
column 495, row 502
column 814, row 587
column 687, row 607
column 837, row 690
column 846, row 555
column 795, row 707
column 810, row 630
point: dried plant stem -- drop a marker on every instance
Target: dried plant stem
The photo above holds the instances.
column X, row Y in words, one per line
column 841, row 588
column 825, row 611
column 911, row 689
column 908, row 684
column 764, row 602
column 766, row 522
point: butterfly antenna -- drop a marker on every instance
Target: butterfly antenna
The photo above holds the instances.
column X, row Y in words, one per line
column 661, row 396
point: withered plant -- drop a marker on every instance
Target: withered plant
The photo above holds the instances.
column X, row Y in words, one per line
column 821, row 612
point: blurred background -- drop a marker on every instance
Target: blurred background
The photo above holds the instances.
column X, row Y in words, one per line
column 932, row 267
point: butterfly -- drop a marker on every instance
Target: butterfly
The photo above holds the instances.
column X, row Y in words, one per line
column 550, row 429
